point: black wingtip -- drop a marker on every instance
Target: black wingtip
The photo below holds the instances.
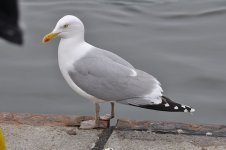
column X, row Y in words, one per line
column 168, row 105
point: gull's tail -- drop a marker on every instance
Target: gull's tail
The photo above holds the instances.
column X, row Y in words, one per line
column 167, row 105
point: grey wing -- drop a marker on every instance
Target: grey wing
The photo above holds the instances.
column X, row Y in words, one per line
column 115, row 58
column 111, row 81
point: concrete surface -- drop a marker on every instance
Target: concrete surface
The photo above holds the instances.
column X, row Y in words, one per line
column 55, row 132
column 145, row 140
column 26, row 137
column 165, row 127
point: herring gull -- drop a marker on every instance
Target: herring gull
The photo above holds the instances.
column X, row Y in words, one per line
column 102, row 76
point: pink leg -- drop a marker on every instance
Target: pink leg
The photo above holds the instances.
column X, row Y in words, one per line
column 91, row 124
column 109, row 116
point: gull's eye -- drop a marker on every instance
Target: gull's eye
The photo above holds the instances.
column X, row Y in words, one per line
column 66, row 25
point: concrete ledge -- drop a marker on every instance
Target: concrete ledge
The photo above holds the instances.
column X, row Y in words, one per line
column 60, row 132
column 46, row 119
column 146, row 140
column 27, row 137
column 133, row 135
column 173, row 127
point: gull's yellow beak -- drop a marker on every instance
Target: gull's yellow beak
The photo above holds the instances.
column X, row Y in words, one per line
column 49, row 36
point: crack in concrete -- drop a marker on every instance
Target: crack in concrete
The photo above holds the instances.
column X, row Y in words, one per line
column 103, row 138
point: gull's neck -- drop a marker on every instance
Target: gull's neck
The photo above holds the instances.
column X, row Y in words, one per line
column 73, row 49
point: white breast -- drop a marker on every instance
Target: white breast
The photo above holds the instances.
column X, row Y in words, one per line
column 67, row 56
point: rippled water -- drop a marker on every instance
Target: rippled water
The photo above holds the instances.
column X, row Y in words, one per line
column 182, row 43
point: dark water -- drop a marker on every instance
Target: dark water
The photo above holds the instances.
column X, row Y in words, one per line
column 182, row 43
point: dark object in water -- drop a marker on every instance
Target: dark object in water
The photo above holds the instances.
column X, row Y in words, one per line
column 9, row 26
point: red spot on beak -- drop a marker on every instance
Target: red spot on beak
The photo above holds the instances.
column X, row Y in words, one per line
column 46, row 40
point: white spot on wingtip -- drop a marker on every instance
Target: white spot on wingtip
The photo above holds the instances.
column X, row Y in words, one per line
column 192, row 110
column 175, row 107
column 185, row 110
column 183, row 106
column 167, row 105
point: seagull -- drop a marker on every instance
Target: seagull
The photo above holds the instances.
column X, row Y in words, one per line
column 102, row 76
